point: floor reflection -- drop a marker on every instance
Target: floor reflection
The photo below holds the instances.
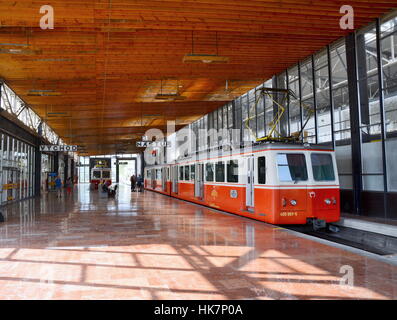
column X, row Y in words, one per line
column 148, row 246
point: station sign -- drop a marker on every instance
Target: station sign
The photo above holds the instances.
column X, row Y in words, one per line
column 154, row 144
column 56, row 148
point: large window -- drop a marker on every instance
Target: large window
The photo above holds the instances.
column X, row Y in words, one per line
column 269, row 109
column 323, row 167
column 262, row 170
column 389, row 69
column 252, row 113
column 294, row 103
column 323, row 103
column 245, row 116
column 291, row 167
column 308, row 100
column 17, row 162
column 340, row 97
column 209, row 172
column 232, row 171
column 187, row 176
column 370, row 120
column 220, row 171
column 340, row 93
column 192, row 172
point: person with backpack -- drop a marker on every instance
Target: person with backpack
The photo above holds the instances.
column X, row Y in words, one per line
column 58, row 186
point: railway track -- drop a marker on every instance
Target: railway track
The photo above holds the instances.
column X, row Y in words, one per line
column 368, row 241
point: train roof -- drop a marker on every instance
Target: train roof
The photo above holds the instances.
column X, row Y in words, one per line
column 224, row 152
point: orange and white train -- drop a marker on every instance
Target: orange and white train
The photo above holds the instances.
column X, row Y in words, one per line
column 275, row 183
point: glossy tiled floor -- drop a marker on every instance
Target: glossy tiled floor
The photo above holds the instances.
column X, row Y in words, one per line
column 148, row 246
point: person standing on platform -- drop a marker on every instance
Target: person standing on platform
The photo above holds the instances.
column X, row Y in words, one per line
column 69, row 186
column 58, row 186
column 133, row 183
column 140, row 183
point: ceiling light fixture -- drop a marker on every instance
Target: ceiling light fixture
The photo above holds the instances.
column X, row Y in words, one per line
column 43, row 93
column 205, row 58
column 19, row 51
column 169, row 96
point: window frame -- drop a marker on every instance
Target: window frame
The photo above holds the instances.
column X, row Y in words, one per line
column 292, row 181
column 213, row 171
column 332, row 164
column 228, row 167
column 216, row 172
column 259, row 176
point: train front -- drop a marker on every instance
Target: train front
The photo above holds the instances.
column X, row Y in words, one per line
column 308, row 190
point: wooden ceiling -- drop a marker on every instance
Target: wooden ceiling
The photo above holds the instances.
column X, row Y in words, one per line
column 105, row 60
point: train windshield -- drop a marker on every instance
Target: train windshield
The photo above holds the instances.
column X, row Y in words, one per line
column 96, row 174
column 291, row 167
column 323, row 168
column 105, row 174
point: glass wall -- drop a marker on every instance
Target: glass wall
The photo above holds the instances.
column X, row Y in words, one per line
column 16, row 169
column 388, row 42
column 370, row 113
column 340, row 100
column 84, row 170
column 323, row 98
column 321, row 106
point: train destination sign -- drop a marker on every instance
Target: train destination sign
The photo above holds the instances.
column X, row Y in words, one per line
column 56, row 148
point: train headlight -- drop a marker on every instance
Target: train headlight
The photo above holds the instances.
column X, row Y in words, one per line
column 328, row 202
column 293, row 202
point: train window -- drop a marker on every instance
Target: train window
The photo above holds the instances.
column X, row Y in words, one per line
column 181, row 173
column 291, row 167
column 158, row 174
column 323, row 168
column 220, row 171
column 209, row 172
column 96, row 174
column 232, row 171
column 187, row 178
column 106, row 174
column 262, row 170
column 192, row 172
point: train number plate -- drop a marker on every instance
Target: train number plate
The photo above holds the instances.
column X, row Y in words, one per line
column 288, row 214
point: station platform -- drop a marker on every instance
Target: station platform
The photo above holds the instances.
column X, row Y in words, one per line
column 149, row 246
column 375, row 225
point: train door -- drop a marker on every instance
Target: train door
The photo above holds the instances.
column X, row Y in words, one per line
column 250, row 181
column 164, row 179
column 175, row 179
column 199, row 181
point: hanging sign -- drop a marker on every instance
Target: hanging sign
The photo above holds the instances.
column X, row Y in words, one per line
column 155, row 144
column 56, row 148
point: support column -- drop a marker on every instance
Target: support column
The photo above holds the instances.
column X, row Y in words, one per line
column 65, row 172
column 56, row 162
column 142, row 164
column 354, row 99
column 117, row 171
column 37, row 170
